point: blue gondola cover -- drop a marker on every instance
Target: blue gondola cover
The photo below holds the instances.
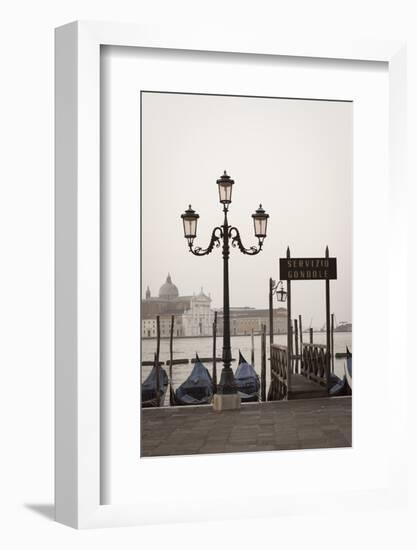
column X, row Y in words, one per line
column 149, row 396
column 197, row 389
column 247, row 381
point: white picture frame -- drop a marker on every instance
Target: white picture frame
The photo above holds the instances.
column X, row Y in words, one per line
column 78, row 410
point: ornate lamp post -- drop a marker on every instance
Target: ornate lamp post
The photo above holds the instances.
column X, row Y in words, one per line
column 225, row 234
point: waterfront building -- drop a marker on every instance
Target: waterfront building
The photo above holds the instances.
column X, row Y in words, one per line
column 343, row 326
column 245, row 319
column 149, row 328
column 198, row 319
column 193, row 315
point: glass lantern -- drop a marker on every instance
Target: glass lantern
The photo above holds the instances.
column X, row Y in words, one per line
column 189, row 220
column 225, row 184
column 260, row 220
column 281, row 293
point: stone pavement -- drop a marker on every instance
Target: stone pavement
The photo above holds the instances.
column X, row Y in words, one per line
column 279, row 425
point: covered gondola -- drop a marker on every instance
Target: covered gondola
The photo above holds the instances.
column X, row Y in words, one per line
column 149, row 388
column 338, row 386
column 247, row 381
column 348, row 368
column 197, row 388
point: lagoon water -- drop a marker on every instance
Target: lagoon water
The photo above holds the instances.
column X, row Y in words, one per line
column 186, row 348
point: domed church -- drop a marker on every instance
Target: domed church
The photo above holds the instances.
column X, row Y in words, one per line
column 193, row 314
column 168, row 290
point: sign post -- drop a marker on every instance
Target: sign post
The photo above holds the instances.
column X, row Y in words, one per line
column 289, row 332
column 327, row 327
column 308, row 269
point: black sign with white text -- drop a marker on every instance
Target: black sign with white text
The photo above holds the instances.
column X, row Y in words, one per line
column 307, row 269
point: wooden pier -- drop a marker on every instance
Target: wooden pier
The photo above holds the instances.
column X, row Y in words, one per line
column 281, row 425
column 293, row 380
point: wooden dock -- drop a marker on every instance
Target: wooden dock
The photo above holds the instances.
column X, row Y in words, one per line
column 281, row 425
column 303, row 388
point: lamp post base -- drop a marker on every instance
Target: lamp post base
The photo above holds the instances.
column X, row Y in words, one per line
column 226, row 402
column 227, row 384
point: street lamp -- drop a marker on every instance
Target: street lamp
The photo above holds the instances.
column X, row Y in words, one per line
column 278, row 290
column 225, row 184
column 260, row 220
column 189, row 220
column 225, row 234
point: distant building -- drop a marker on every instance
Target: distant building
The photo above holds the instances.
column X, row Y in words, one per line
column 343, row 326
column 193, row 315
column 245, row 319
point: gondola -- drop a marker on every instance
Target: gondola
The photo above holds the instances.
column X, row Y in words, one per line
column 348, row 368
column 149, row 390
column 338, row 386
column 197, row 389
column 247, row 381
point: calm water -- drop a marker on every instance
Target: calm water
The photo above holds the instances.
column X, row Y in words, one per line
column 185, row 348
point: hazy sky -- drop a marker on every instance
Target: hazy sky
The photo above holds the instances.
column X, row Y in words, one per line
column 293, row 156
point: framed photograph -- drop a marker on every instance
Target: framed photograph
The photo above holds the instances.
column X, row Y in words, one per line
column 295, row 155
column 224, row 215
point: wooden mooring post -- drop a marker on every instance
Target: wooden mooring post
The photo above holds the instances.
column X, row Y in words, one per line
column 263, row 363
column 158, row 343
column 158, row 335
column 214, row 376
column 171, row 338
column 271, row 311
column 311, row 335
column 300, row 326
column 332, row 340
column 158, row 382
column 176, row 362
column 296, row 345
column 252, row 349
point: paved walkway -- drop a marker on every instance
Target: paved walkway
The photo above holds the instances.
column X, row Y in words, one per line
column 280, row 425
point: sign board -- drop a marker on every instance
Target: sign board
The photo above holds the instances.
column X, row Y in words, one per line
column 307, row 269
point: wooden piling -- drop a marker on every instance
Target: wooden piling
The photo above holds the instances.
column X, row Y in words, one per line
column 214, row 353
column 171, row 338
column 158, row 343
column 296, row 345
column 311, row 335
column 300, row 326
column 208, row 360
column 263, row 364
column 176, row 362
column 158, row 336
column 332, row 342
column 158, row 382
column 271, row 312
column 252, row 349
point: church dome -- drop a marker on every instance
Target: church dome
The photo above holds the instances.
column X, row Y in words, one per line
column 168, row 290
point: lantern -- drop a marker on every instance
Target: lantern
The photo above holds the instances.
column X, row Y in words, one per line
column 189, row 220
column 281, row 294
column 225, row 184
column 260, row 220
